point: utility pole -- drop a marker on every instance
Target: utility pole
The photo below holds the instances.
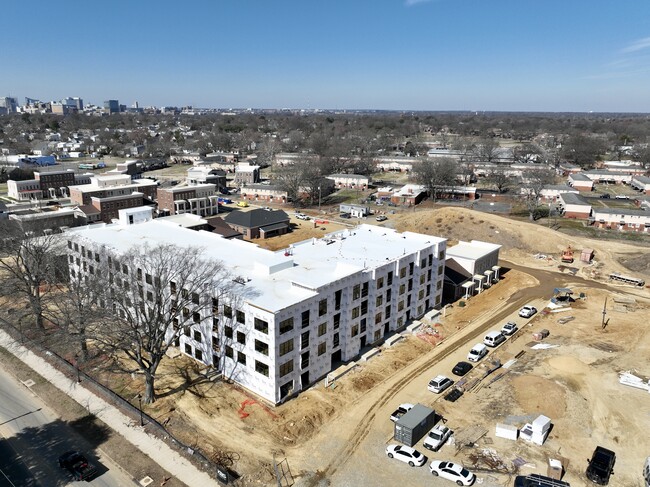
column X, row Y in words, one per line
column 603, row 324
column 319, row 194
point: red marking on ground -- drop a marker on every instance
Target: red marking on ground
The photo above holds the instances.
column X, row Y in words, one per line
column 250, row 402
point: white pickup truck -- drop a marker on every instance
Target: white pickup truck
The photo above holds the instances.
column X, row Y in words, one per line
column 437, row 437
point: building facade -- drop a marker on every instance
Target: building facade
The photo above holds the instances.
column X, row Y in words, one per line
column 199, row 199
column 307, row 308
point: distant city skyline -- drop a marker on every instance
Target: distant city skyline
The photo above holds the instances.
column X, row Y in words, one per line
column 424, row 55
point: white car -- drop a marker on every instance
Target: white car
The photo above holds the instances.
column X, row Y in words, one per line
column 509, row 328
column 400, row 411
column 527, row 311
column 381, row 218
column 452, row 471
column 406, row 454
column 439, row 384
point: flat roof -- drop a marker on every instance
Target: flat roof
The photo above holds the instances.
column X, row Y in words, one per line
column 281, row 280
column 471, row 250
column 91, row 188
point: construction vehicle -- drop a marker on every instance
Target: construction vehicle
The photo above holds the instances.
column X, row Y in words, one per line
column 567, row 255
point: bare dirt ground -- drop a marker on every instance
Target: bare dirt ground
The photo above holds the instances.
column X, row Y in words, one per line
column 337, row 435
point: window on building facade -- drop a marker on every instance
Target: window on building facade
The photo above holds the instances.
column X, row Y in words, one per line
column 322, row 307
column 261, row 347
column 215, row 306
column 380, row 283
column 261, row 368
column 228, row 332
column 304, row 319
column 441, row 255
column 355, row 312
column 400, row 306
column 188, row 349
column 195, row 298
column 197, row 336
column 402, row 272
column 215, row 324
column 335, row 340
column 423, row 263
column 227, row 311
column 240, row 316
column 286, row 325
column 241, row 358
column 148, row 279
column 172, row 287
column 411, row 268
column 364, row 307
column 286, row 368
column 322, row 348
column 186, row 331
column 356, row 291
column 387, row 311
column 337, row 320
column 378, row 318
column 286, row 347
column 241, row 338
column 389, row 278
column 355, row 330
column 379, row 300
column 304, row 340
column 364, row 289
column 337, row 299
column 322, row 329
column 440, row 270
column 402, row 289
column 304, row 360
column 261, row 325
column 196, row 317
column 198, row 354
column 421, row 294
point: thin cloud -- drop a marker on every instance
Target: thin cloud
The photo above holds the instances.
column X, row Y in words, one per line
column 410, row 3
column 636, row 45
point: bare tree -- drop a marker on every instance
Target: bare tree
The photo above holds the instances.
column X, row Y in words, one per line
column 526, row 153
column 31, row 265
column 532, row 183
column 289, row 179
column 435, row 174
column 156, row 294
column 76, row 311
column 486, row 149
column 499, row 178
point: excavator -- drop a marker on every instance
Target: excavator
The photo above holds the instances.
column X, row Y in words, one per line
column 567, row 255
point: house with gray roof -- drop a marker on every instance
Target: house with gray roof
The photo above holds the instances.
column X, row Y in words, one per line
column 580, row 181
column 641, row 183
column 621, row 219
column 574, row 206
column 259, row 223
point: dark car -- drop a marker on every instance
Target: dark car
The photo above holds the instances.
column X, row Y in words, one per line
column 537, row 480
column 77, row 465
column 461, row 368
column 605, row 196
column 601, row 466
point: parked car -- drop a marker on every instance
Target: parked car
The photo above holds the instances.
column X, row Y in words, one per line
column 345, row 215
column 381, row 218
column 437, row 437
column 622, row 197
column 477, row 352
column 75, row 463
column 406, row 454
column 301, row 216
column 527, row 311
column 439, row 384
column 605, row 196
column 494, row 339
column 601, row 465
column 537, row 480
column 401, row 411
column 461, row 368
column 242, row 204
column 452, row 471
column 509, row 328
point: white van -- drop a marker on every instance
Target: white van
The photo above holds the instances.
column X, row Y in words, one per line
column 494, row 339
column 477, row 352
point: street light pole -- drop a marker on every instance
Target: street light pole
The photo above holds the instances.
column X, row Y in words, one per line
column 319, row 193
column 76, row 366
column 140, row 408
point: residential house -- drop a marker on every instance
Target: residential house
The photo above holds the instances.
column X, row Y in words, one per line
column 581, row 182
column 246, row 173
column 621, row 219
column 574, row 206
column 408, row 195
column 259, row 223
column 604, row 176
column 264, row 192
column 350, row 181
column 552, row 193
column 641, row 183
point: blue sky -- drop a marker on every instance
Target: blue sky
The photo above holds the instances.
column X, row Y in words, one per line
column 524, row 55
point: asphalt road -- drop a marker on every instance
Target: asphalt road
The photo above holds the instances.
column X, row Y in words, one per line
column 32, row 438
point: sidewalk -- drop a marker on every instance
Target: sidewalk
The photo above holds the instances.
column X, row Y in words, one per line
column 153, row 447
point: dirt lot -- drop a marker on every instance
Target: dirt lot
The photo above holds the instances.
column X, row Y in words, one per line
column 337, row 435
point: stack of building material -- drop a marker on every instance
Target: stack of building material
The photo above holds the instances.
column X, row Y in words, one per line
column 629, row 379
column 540, row 335
column 506, row 431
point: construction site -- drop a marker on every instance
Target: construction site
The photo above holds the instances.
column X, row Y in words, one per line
column 581, row 362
